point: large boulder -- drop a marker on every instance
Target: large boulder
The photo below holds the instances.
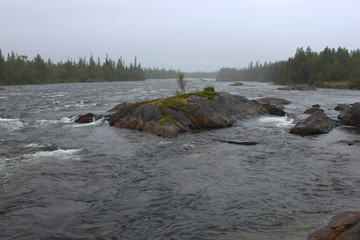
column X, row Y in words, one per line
column 186, row 113
column 317, row 123
column 274, row 106
column 344, row 226
column 350, row 115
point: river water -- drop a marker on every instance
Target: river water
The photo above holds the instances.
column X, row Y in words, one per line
column 62, row 180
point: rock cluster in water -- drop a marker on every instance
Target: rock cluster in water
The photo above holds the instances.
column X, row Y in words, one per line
column 208, row 109
column 319, row 123
column 186, row 113
column 344, row 226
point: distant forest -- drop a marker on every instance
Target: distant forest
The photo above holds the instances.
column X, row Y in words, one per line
column 338, row 68
column 329, row 68
column 18, row 69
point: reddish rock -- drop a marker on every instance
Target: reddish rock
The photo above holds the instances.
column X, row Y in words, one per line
column 119, row 107
column 85, row 118
column 316, row 106
column 344, row 226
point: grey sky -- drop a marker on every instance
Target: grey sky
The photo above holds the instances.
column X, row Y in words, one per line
column 189, row 35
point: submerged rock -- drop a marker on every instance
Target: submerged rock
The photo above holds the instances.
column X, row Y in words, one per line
column 344, row 226
column 350, row 142
column 298, row 87
column 2, row 89
column 317, row 123
column 350, row 115
column 236, row 142
column 186, row 113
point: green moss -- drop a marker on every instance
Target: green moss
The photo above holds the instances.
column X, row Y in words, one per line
column 166, row 119
column 177, row 103
column 208, row 93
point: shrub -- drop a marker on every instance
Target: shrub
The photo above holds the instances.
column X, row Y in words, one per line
column 181, row 84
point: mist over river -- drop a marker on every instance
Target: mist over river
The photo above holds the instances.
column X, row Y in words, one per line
column 63, row 180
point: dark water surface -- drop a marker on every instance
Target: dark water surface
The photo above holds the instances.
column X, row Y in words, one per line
column 61, row 180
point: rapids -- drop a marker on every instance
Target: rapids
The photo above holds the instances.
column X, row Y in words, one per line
column 63, row 180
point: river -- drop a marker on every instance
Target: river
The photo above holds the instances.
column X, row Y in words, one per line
column 62, row 180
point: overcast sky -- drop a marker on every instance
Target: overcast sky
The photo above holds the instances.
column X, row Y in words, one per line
column 189, row 35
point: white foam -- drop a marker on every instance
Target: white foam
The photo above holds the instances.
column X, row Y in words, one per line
column 163, row 143
column 46, row 123
column 35, row 145
column 12, row 124
column 187, row 146
column 276, row 121
column 59, row 154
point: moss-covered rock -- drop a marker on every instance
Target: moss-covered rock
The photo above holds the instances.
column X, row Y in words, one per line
column 186, row 112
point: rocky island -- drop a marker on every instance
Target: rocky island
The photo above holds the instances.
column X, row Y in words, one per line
column 188, row 112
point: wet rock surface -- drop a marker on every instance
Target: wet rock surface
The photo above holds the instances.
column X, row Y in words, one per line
column 171, row 116
column 344, row 226
column 274, row 106
column 340, row 107
column 88, row 118
column 317, row 123
column 350, row 115
column 313, row 109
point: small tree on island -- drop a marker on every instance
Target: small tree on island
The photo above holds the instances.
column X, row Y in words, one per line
column 181, row 84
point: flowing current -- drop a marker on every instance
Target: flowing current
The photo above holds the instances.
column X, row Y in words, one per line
column 62, row 180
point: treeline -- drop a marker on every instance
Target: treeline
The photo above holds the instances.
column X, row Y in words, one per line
column 157, row 73
column 18, row 69
column 266, row 72
column 330, row 67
